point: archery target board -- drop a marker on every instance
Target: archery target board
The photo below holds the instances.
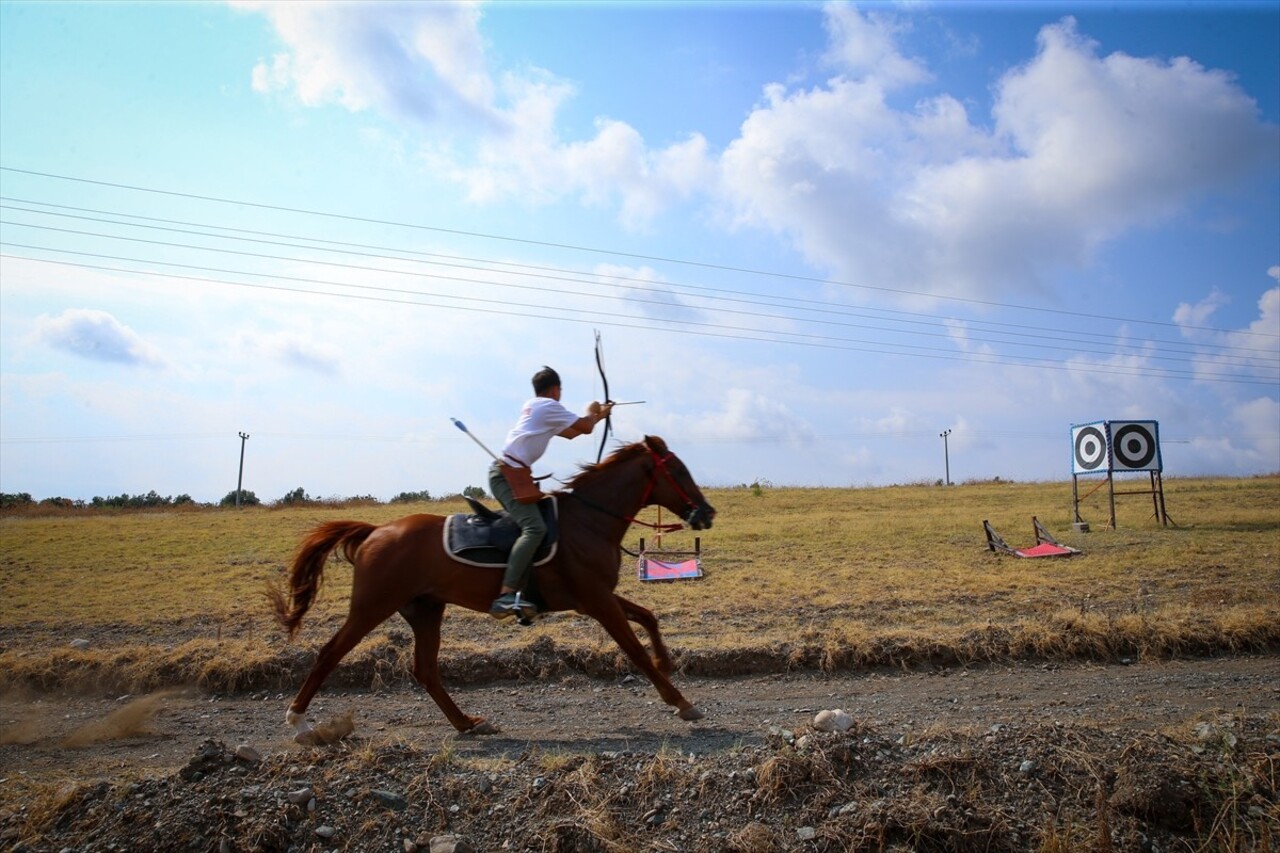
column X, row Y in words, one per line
column 1089, row 448
column 1106, row 446
column 1135, row 446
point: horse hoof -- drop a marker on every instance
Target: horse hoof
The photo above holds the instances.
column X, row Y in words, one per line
column 308, row 738
column 483, row 727
column 691, row 713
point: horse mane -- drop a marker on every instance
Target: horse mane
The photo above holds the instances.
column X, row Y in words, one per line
column 589, row 471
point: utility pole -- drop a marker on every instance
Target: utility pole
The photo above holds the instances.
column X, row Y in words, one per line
column 946, row 453
column 244, row 436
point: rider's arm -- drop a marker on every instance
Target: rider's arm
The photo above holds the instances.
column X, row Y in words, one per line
column 596, row 412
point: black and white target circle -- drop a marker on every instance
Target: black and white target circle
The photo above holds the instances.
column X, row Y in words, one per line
column 1091, row 448
column 1133, row 446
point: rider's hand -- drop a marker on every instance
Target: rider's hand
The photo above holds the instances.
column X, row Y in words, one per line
column 605, row 410
column 594, row 409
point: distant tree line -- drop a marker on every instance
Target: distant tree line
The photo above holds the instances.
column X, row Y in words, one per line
column 424, row 496
column 154, row 500
column 148, row 501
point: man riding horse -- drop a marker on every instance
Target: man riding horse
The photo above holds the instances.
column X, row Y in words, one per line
column 404, row 566
column 511, row 480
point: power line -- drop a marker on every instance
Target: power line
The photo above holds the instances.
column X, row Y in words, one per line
column 612, row 319
column 593, row 250
column 441, row 259
column 493, row 283
column 1148, row 350
column 1039, row 335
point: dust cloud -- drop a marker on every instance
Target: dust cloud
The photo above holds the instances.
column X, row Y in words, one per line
column 131, row 720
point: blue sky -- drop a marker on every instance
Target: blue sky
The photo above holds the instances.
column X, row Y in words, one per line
column 812, row 236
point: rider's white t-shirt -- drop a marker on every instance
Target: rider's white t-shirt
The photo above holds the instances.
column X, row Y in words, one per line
column 540, row 420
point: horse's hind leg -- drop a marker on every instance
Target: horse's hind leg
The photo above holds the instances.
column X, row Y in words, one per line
column 645, row 619
column 611, row 615
column 424, row 616
column 352, row 632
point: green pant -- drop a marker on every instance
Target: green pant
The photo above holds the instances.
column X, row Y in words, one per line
column 532, row 529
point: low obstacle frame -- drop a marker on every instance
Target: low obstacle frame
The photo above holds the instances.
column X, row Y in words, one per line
column 1046, row 545
column 658, row 565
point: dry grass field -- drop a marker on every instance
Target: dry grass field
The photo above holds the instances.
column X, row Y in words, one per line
column 795, row 579
column 814, row 582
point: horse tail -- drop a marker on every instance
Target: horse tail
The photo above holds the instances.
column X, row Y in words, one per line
column 292, row 600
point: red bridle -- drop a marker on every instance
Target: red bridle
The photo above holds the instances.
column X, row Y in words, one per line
column 660, row 464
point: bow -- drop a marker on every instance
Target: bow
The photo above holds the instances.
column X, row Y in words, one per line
column 608, row 421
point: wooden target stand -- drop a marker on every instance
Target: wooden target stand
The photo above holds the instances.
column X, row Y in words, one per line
column 1156, row 491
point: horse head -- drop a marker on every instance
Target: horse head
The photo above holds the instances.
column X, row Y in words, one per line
column 640, row 475
column 673, row 487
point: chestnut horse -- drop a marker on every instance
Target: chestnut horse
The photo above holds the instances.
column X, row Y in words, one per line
column 402, row 567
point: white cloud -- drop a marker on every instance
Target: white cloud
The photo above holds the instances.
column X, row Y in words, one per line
column 958, row 332
column 654, row 298
column 1083, row 148
column 614, row 168
column 1258, row 417
column 752, row 416
column 295, row 350
column 1198, row 315
column 425, row 64
column 1253, row 351
column 1239, row 440
column 418, row 61
column 1079, row 148
column 898, row 421
column 95, row 335
column 1119, row 140
column 864, row 46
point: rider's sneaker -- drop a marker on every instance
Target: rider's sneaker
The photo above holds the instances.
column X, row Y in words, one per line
column 511, row 604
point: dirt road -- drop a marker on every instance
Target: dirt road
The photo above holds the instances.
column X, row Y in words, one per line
column 576, row 714
column 1150, row 756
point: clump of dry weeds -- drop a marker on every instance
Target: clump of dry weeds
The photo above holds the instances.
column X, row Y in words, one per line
column 1086, row 790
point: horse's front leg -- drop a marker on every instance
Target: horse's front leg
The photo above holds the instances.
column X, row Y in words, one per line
column 424, row 616
column 645, row 619
column 609, row 613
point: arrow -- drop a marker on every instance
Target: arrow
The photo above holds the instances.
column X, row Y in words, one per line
column 460, row 425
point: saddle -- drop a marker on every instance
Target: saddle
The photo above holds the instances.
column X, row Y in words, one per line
column 485, row 537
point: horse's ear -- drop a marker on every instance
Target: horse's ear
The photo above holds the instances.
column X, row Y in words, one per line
column 657, row 445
